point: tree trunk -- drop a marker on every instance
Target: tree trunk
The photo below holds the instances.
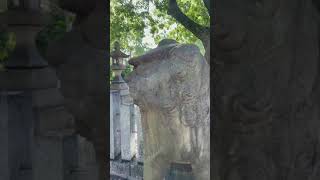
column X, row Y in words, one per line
column 266, row 91
column 201, row 32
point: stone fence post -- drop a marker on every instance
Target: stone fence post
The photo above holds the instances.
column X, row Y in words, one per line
column 137, row 119
column 123, row 116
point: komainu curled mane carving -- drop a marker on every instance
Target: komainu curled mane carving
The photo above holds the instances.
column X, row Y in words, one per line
column 170, row 84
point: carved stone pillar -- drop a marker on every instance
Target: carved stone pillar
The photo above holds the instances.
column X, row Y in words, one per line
column 138, row 121
column 266, row 90
column 115, row 135
column 128, row 137
column 16, row 135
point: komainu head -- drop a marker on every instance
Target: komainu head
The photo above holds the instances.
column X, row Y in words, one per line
column 170, row 76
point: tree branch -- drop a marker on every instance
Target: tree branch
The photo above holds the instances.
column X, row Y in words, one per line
column 199, row 31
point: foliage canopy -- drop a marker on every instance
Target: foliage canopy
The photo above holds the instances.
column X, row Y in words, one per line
column 134, row 23
column 129, row 20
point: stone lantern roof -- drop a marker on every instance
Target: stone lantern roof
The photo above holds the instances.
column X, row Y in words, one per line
column 117, row 56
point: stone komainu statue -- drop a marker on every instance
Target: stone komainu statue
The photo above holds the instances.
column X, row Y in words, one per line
column 266, row 90
column 170, row 84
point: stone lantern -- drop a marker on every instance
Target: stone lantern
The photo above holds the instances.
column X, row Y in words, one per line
column 25, row 19
column 33, row 119
column 122, row 135
column 117, row 67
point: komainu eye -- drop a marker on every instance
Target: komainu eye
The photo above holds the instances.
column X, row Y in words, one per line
column 180, row 76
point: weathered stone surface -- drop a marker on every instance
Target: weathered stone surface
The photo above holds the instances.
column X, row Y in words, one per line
column 53, row 119
column 47, row 98
column 128, row 137
column 34, row 19
column 126, row 170
column 112, row 130
column 48, row 158
column 115, row 142
column 80, row 159
column 28, row 79
column 33, row 119
column 170, row 84
column 20, row 135
column 123, row 119
column 137, row 119
column 16, row 123
column 266, row 90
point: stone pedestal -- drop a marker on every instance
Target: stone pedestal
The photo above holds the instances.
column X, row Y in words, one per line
column 137, row 119
column 128, row 137
column 16, row 132
column 80, row 159
column 48, row 158
column 115, row 140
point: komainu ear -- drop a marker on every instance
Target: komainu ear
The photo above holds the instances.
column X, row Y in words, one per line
column 167, row 42
column 187, row 52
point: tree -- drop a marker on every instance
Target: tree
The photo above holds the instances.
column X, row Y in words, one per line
column 186, row 21
column 130, row 19
column 193, row 16
column 127, row 24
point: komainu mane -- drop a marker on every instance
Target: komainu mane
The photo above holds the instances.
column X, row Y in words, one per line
column 170, row 84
